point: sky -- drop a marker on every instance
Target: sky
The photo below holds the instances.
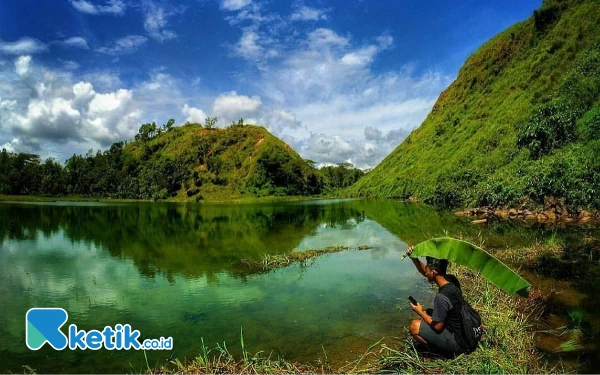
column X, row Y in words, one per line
column 339, row 81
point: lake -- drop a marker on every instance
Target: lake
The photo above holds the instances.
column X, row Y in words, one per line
column 170, row 270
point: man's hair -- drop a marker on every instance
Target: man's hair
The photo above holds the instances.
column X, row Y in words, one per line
column 439, row 265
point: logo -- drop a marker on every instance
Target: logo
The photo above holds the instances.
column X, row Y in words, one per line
column 42, row 325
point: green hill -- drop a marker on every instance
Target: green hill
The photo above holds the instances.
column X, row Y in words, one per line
column 520, row 122
column 193, row 161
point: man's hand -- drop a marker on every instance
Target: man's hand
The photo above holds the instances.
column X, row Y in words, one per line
column 409, row 250
column 417, row 308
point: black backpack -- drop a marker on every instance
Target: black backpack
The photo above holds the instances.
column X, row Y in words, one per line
column 471, row 325
column 472, row 328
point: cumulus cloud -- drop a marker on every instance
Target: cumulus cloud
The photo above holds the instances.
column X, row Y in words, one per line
column 23, row 46
column 114, row 7
column 195, row 115
column 47, row 107
column 231, row 106
column 305, row 13
column 125, row 45
column 155, row 23
column 233, row 5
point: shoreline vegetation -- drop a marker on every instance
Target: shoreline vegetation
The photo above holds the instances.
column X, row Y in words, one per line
column 510, row 343
column 239, row 200
column 272, row 262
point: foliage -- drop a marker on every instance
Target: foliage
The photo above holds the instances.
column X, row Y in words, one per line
column 588, row 127
column 520, row 121
column 210, row 122
column 341, row 176
column 550, row 127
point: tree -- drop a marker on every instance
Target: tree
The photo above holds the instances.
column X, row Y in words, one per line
column 210, row 122
column 146, row 132
column 169, row 125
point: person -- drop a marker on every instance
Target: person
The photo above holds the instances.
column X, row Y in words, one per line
column 441, row 331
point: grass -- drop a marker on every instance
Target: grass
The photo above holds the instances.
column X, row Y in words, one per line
column 271, row 262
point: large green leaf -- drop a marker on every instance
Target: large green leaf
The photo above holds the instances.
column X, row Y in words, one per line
column 476, row 259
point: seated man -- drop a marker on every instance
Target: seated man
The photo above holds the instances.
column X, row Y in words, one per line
column 442, row 332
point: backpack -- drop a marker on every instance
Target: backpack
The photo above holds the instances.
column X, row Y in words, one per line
column 471, row 325
column 472, row 328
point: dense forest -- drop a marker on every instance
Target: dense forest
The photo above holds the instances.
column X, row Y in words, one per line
column 520, row 124
column 190, row 162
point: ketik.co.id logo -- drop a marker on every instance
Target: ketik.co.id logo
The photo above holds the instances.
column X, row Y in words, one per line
column 42, row 325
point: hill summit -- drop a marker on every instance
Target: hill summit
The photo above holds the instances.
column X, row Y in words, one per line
column 520, row 123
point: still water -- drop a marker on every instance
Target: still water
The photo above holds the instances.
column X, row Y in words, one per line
column 170, row 270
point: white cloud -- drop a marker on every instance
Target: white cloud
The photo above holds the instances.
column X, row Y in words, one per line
column 125, row 45
column 23, row 46
column 195, row 115
column 56, row 111
column 279, row 120
column 75, row 42
column 115, row 7
column 305, row 13
column 12, row 146
column 22, row 65
column 155, row 23
column 231, row 106
column 233, row 5
column 326, row 38
column 254, row 47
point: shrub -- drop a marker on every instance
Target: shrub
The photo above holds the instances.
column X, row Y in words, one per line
column 588, row 127
column 549, row 128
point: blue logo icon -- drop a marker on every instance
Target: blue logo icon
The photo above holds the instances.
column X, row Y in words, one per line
column 42, row 325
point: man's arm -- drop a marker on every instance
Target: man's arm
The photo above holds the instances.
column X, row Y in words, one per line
column 420, row 265
column 438, row 326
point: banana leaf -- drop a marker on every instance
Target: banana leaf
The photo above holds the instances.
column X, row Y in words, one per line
column 476, row 259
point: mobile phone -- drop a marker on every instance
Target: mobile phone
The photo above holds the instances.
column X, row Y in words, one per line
column 412, row 300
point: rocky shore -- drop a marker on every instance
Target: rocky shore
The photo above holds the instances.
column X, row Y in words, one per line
column 553, row 210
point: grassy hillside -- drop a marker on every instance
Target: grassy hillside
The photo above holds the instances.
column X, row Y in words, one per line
column 521, row 121
column 195, row 162
column 228, row 162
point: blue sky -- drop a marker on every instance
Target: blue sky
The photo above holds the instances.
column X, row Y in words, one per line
column 337, row 80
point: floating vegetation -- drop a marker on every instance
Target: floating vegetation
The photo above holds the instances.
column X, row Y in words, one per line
column 271, row 262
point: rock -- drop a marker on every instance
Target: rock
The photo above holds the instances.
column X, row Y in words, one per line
column 512, row 213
